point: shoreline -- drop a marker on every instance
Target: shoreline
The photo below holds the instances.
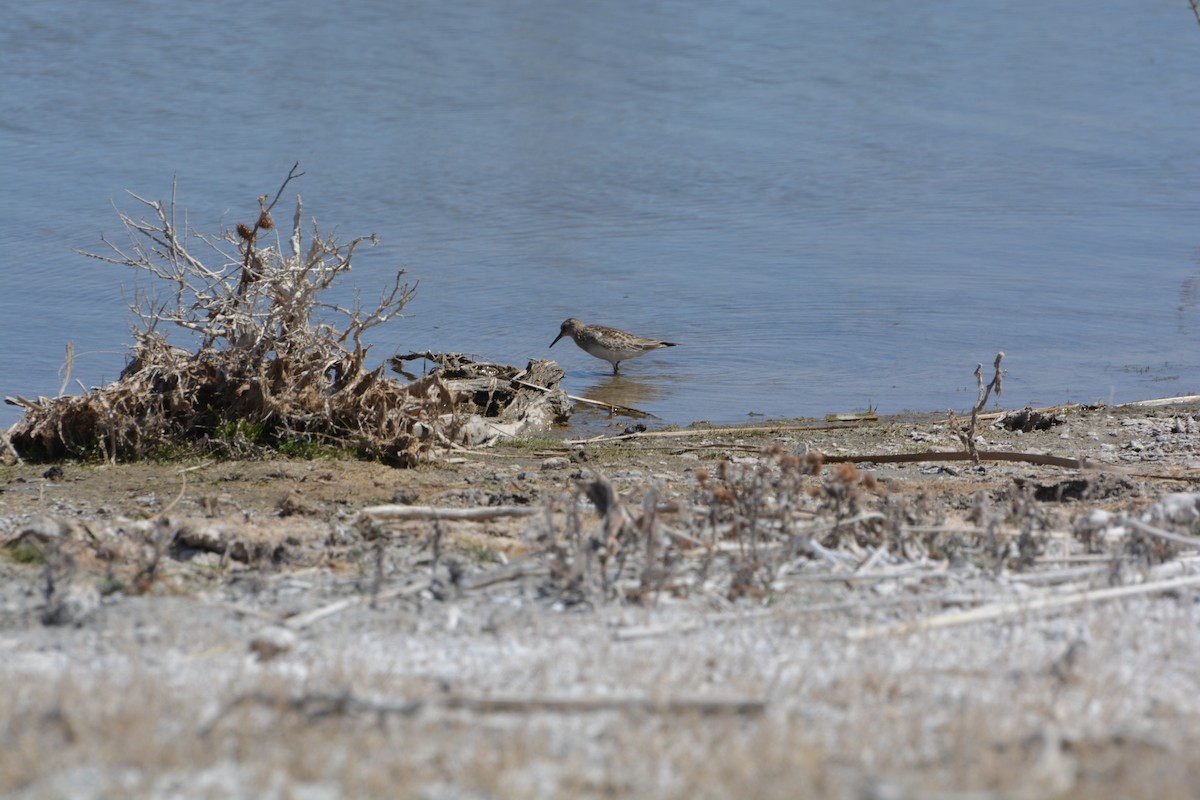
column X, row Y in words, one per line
column 738, row 621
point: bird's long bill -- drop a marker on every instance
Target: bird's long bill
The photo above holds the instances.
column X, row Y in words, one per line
column 556, row 338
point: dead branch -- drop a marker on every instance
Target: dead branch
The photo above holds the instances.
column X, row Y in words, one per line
column 1159, row 533
column 576, row 705
column 968, row 436
column 404, row 513
column 1018, row 608
column 978, row 456
column 263, row 221
column 338, row 606
column 275, row 364
column 314, row 706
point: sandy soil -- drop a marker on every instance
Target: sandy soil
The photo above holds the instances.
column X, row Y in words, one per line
column 734, row 625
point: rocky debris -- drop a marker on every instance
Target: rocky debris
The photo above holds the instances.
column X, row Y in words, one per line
column 405, row 495
column 1094, row 486
column 501, row 402
column 72, row 604
column 42, row 529
column 297, row 504
column 1028, row 420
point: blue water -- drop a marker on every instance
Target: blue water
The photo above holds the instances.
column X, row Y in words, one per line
column 831, row 205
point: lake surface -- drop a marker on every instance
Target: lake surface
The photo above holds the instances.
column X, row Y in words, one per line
column 830, row 205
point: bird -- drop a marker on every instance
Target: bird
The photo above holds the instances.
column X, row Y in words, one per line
column 611, row 344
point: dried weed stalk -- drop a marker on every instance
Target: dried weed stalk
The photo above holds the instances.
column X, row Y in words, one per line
column 967, row 437
column 765, row 515
column 276, row 364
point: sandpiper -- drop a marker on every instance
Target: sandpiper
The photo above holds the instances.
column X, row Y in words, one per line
column 610, row 344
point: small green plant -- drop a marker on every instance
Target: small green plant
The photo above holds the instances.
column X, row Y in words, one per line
column 110, row 585
column 239, row 431
column 27, row 553
column 483, row 554
column 536, row 443
column 307, row 449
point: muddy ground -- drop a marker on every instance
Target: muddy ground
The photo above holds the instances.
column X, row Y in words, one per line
column 701, row 614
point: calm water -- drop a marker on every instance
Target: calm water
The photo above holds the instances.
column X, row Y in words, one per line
column 830, row 204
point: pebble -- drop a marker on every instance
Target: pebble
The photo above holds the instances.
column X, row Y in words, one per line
column 405, row 496
column 72, row 605
column 45, row 529
column 271, row 642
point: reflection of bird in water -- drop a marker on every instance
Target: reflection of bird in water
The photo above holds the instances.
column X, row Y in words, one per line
column 610, row 344
column 628, row 392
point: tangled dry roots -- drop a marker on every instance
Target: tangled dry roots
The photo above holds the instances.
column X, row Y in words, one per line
column 167, row 397
column 270, row 369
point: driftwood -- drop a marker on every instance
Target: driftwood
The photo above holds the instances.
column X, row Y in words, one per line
column 498, row 401
column 1020, row 607
column 1159, row 533
column 977, row 456
column 398, row 513
column 576, row 705
column 314, row 706
column 317, row 614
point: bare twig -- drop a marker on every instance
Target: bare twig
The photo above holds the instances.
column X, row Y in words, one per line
column 250, row 236
column 1159, row 533
column 576, row 705
column 402, row 513
column 978, row 456
column 309, row 617
column 1020, row 607
column 68, row 365
column 314, row 706
column 182, row 488
column 968, row 436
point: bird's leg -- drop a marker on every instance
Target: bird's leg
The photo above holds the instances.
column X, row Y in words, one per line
column 616, row 364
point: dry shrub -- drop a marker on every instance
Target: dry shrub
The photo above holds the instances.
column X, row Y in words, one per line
column 744, row 525
column 276, row 364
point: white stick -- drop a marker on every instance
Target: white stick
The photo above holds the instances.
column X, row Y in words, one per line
column 1000, row 610
column 433, row 512
column 1150, row 530
column 309, row 617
